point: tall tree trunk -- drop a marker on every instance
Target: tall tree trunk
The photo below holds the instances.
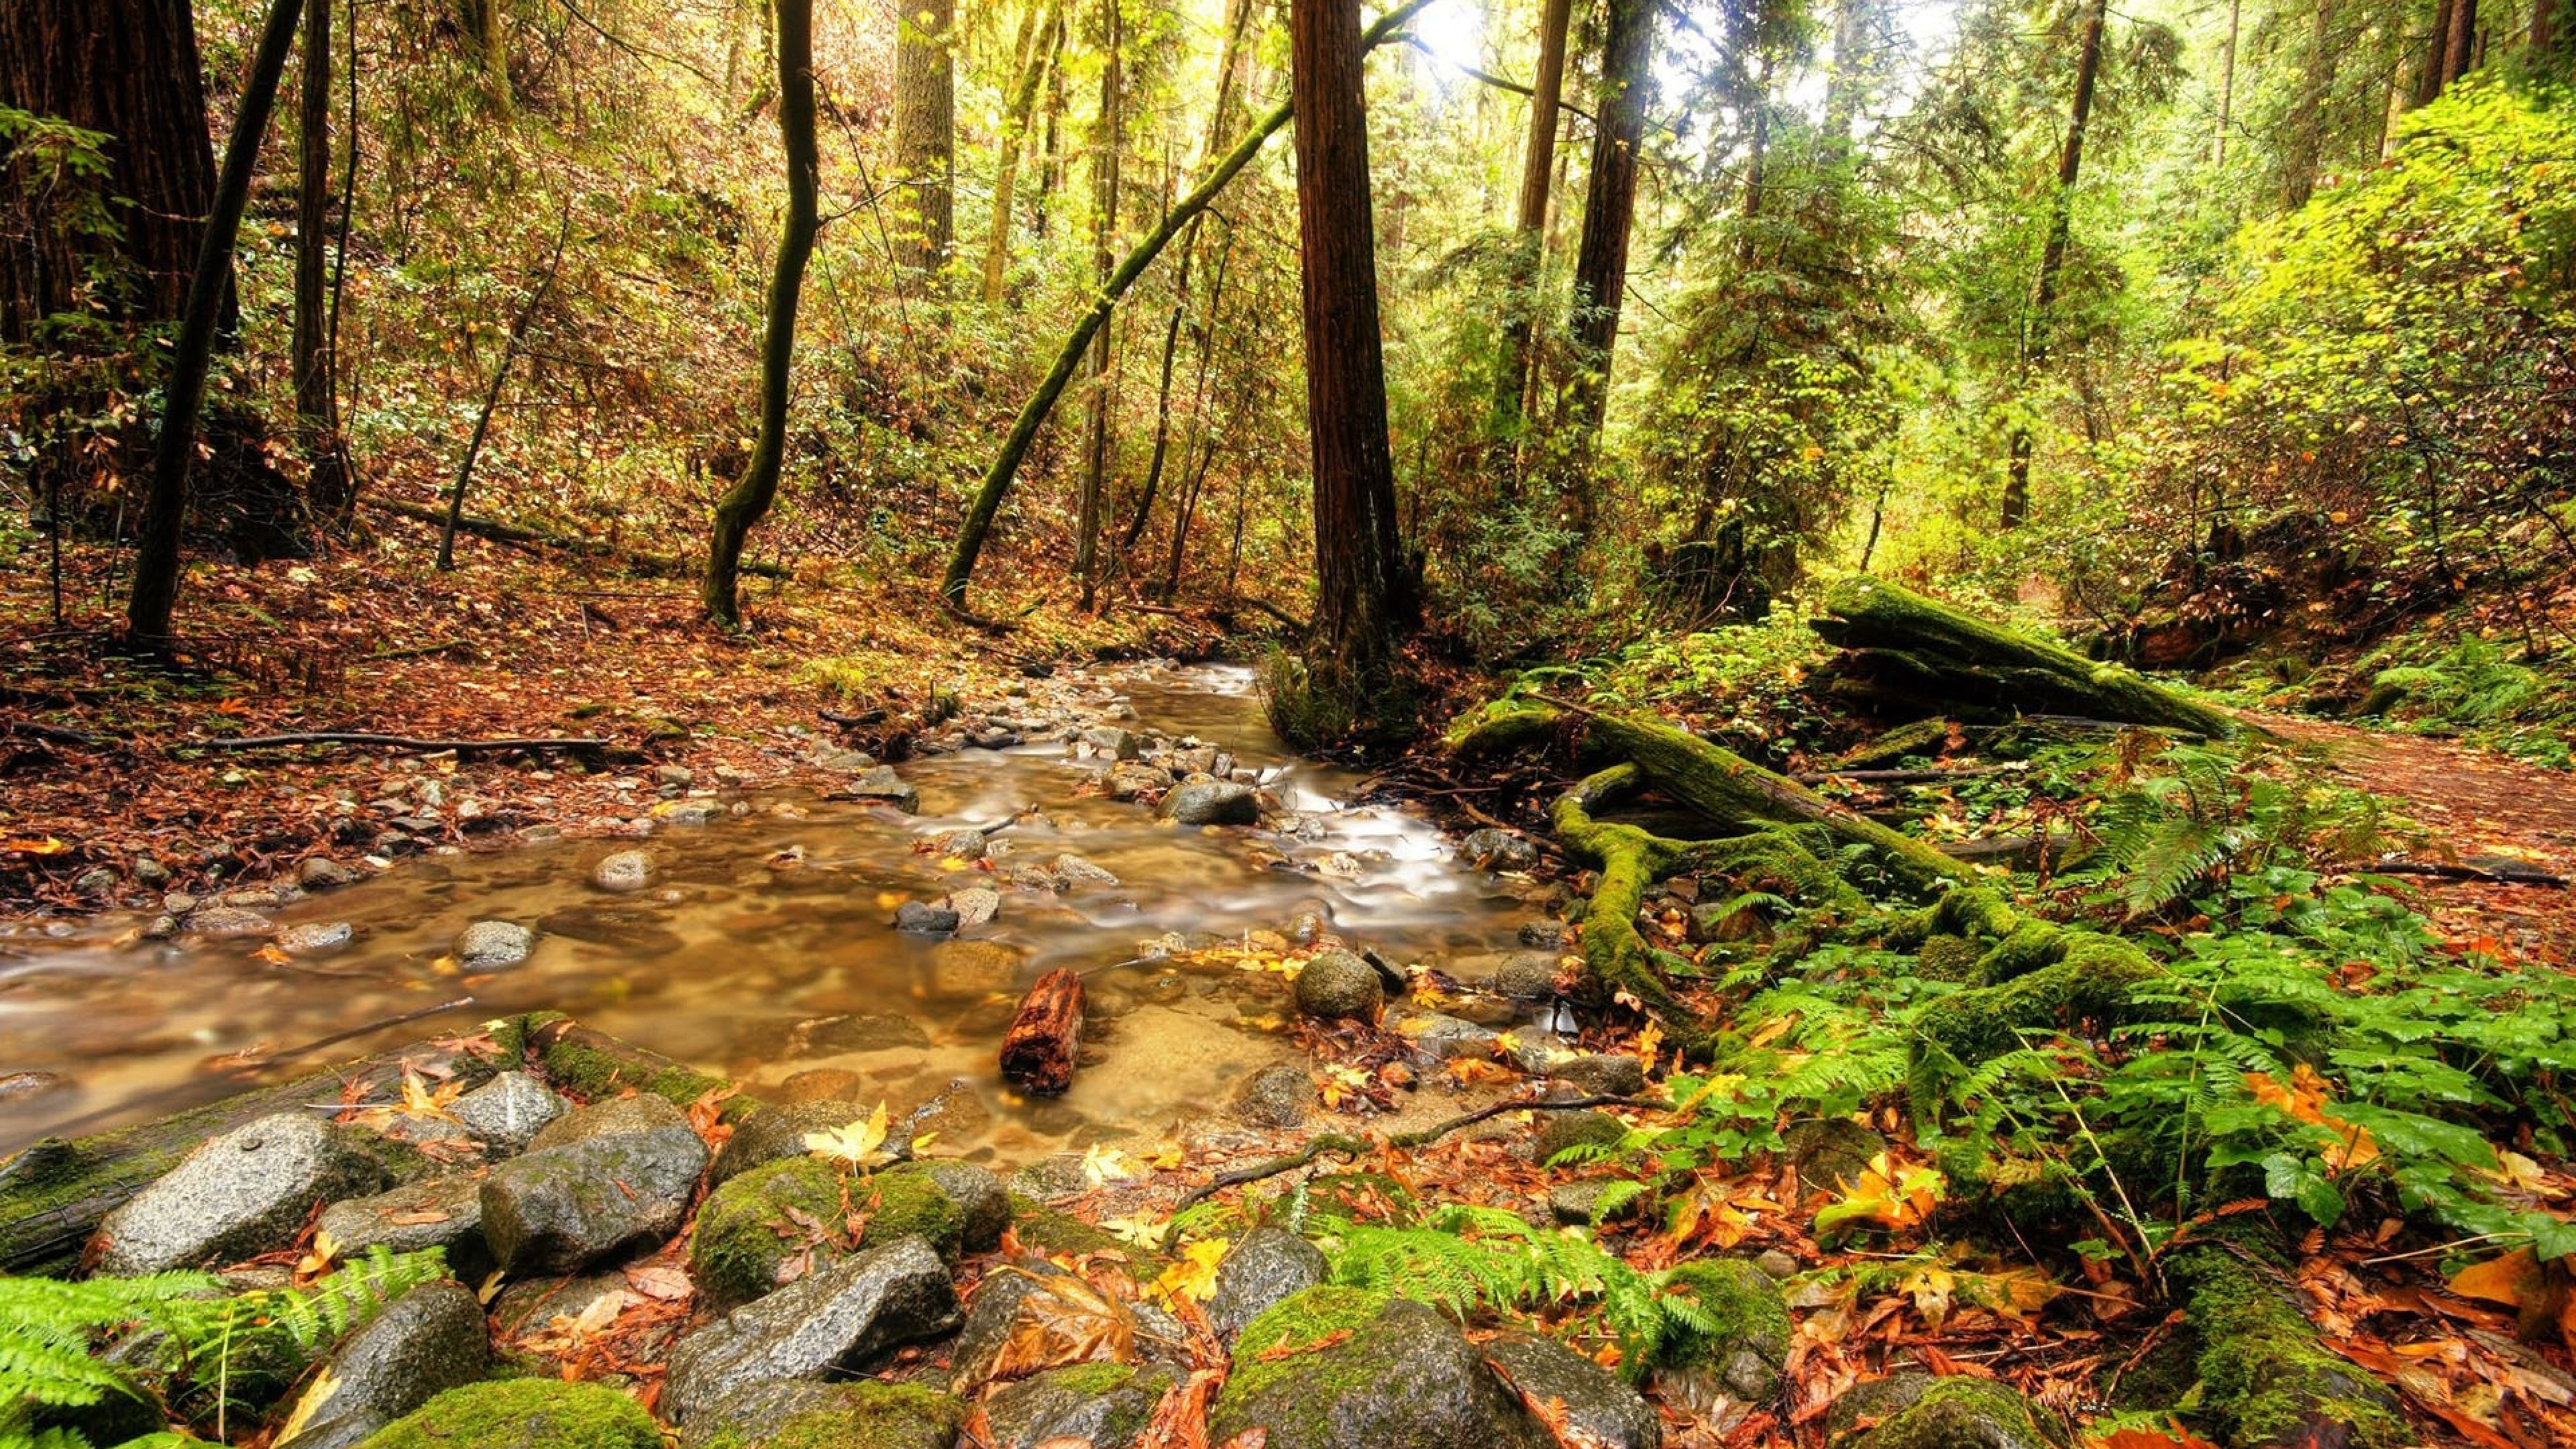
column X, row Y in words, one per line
column 1196, row 483
column 2300, row 159
column 925, row 121
column 1108, row 139
column 2544, row 27
column 1760, row 155
column 1529, row 222
column 1238, row 16
column 2226, row 84
column 2437, row 72
column 1032, row 48
column 2460, row 51
column 1601, row 262
column 482, row 22
column 743, row 504
column 317, row 429
column 128, row 68
column 1051, row 171
column 2052, row 257
column 1364, row 597
column 1859, row 47
column 156, row 564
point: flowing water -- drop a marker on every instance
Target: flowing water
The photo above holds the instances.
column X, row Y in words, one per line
column 758, row 925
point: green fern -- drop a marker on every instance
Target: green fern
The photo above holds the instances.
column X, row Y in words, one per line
column 179, row 1340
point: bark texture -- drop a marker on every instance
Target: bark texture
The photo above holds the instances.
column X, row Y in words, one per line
column 1609, row 208
column 2052, row 258
column 1529, row 221
column 748, row 499
column 925, row 131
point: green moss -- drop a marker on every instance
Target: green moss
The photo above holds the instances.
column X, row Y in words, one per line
column 1748, row 1308
column 747, row 1229
column 872, row 1415
column 2090, row 981
column 1962, row 1410
column 905, row 1202
column 2263, row 1373
column 595, row 1073
column 1948, row 958
column 523, row 1414
column 1048, row 1231
column 1503, row 727
column 1292, row 1324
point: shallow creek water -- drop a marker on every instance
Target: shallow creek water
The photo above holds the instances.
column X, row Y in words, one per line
column 775, row 917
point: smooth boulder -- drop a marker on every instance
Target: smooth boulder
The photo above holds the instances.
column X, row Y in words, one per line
column 243, row 1193
column 494, row 945
column 507, row 1111
column 1598, row 1405
column 445, row 1213
column 1212, row 802
column 1336, row 985
column 834, row 1319
column 606, row 1177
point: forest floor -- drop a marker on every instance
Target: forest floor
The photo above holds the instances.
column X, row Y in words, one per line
column 111, row 761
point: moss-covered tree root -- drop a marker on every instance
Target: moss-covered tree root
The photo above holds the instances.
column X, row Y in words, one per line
column 1945, row 658
column 2265, row 1378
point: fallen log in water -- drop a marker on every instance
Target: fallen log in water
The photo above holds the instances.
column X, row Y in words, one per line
column 1930, row 655
column 1038, row 1051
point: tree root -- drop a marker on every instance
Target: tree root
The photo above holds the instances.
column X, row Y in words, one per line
column 2264, row 1374
column 1354, row 1147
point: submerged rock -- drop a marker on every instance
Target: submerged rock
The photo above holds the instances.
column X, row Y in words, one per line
column 627, row 870
column 1339, row 1368
column 1212, row 802
column 835, row 1319
column 1267, row 1266
column 315, row 938
column 919, row 918
column 600, row 1179
column 1279, row 1095
column 524, row 1414
column 494, row 945
column 243, row 1193
column 883, row 785
column 426, row 1342
column 1336, row 985
column 1598, row 1406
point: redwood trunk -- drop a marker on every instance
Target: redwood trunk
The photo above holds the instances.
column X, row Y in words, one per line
column 1107, row 141
column 925, row 118
column 1609, row 206
column 316, row 420
column 128, row 68
column 1038, row 1051
column 1538, row 167
column 2052, row 257
column 1364, row 597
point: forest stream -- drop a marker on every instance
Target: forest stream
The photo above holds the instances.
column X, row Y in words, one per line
column 764, row 947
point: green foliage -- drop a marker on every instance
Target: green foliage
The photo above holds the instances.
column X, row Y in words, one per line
column 1471, row 1260
column 2474, row 688
column 2205, row 814
column 179, row 1340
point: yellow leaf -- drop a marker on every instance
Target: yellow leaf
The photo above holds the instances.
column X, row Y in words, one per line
column 1194, row 1276
column 852, row 1143
column 1103, row 1164
column 1888, row 1195
column 320, row 1392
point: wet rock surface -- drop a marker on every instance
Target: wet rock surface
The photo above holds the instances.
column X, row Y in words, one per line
column 615, row 1175
column 443, row 1212
column 835, row 1319
column 1104, row 1405
column 1337, row 984
column 509, row 1110
column 1402, row 1377
column 426, row 1342
column 243, row 1193
column 1597, row 1404
column 1269, row 1265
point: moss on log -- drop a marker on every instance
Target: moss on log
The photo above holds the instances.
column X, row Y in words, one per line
column 2265, row 1378
column 1734, row 792
column 1949, row 657
column 1502, row 727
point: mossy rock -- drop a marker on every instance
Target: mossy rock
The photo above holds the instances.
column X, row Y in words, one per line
column 1042, row 1229
column 1562, row 1130
column 1343, row 1368
column 1946, row 957
column 864, row 1415
column 523, row 1414
column 1106, row 1405
column 2264, row 1376
column 1750, row 1340
column 1964, row 1412
column 748, row 1227
column 903, row 1202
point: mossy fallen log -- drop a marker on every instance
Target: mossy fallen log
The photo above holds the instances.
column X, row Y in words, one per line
column 1947, row 658
column 1502, row 727
column 2266, row 1380
column 1735, row 793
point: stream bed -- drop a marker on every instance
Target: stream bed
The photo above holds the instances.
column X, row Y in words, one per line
column 764, row 947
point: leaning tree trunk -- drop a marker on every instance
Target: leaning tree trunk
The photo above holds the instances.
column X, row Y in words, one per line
column 1601, row 263
column 127, row 68
column 925, row 127
column 1529, row 222
column 1364, row 597
column 156, row 564
column 748, row 499
column 996, row 484
column 1921, row 653
column 2052, row 257
column 316, row 421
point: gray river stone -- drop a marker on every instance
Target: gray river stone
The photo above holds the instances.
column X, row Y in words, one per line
column 776, row 1133
column 314, row 938
column 428, row 1341
column 1106, row 1406
column 494, row 945
column 1337, row 984
column 1279, row 1095
column 1601, row 1074
column 507, row 1111
column 230, row 921
column 1491, row 849
column 627, row 870
column 1268, row 1265
column 1212, row 802
column 833, row 1319
column 919, row 918
column 976, row 1194
column 883, row 784
column 1525, row 976
column 599, row 1179
column 443, row 1212
column 243, row 1193
column 1597, row 1405
column 322, row 873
